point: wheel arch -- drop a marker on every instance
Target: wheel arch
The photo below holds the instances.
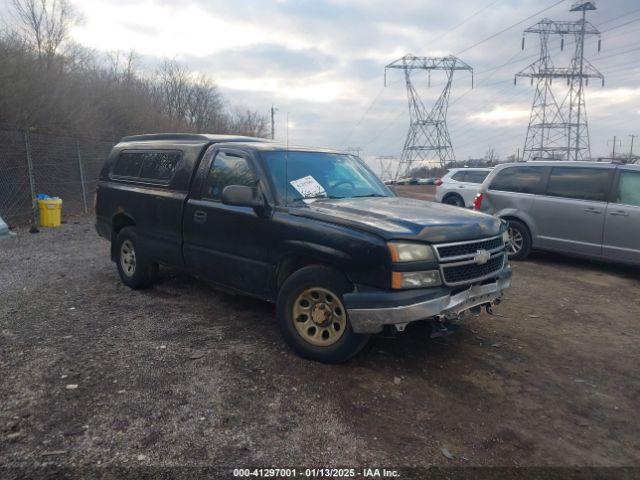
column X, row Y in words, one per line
column 119, row 221
column 526, row 222
column 293, row 262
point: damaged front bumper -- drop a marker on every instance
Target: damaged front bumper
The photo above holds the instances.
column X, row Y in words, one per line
column 369, row 311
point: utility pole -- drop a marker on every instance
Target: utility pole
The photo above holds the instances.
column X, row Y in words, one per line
column 614, row 142
column 428, row 139
column 633, row 137
column 558, row 128
column 273, row 122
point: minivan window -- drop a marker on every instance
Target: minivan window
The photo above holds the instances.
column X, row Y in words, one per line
column 155, row 166
column 476, row 176
column 459, row 176
column 228, row 169
column 629, row 188
column 518, row 180
column 579, row 183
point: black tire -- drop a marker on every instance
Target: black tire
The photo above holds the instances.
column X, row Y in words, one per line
column 142, row 273
column 453, row 199
column 519, row 233
column 305, row 280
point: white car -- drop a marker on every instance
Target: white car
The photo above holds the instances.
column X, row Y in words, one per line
column 460, row 186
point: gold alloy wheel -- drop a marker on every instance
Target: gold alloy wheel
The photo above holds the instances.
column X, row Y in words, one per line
column 319, row 316
column 128, row 258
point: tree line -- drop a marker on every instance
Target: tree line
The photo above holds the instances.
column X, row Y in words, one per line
column 50, row 84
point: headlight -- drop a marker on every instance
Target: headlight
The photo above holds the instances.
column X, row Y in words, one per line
column 429, row 278
column 410, row 252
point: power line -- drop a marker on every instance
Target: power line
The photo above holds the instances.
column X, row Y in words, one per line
column 491, row 37
column 466, row 20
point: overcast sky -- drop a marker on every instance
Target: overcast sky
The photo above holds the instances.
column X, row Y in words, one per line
column 322, row 62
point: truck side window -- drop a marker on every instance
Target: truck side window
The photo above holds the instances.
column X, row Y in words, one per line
column 159, row 165
column 518, row 180
column 152, row 166
column 128, row 165
column 227, row 169
column 629, row 188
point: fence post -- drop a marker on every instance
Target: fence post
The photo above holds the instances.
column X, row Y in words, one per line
column 82, row 182
column 32, row 184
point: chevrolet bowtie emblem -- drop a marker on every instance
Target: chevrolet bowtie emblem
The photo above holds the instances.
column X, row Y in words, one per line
column 482, row 257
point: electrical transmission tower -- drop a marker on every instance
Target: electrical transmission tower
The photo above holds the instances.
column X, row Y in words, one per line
column 386, row 162
column 558, row 128
column 428, row 140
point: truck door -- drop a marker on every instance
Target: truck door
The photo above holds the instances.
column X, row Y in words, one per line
column 622, row 221
column 570, row 216
column 226, row 244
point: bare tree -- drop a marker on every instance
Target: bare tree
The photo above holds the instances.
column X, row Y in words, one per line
column 44, row 24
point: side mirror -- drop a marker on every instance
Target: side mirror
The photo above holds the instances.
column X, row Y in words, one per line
column 242, row 196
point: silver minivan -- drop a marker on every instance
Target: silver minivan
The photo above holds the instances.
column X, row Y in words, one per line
column 589, row 209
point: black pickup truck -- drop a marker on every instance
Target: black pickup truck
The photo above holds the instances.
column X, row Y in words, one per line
column 312, row 230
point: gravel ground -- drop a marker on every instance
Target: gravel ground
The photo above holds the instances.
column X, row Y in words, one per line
column 94, row 374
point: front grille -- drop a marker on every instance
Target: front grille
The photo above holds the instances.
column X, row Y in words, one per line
column 470, row 271
column 455, row 250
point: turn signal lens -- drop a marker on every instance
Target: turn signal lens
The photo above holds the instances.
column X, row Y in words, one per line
column 438, row 182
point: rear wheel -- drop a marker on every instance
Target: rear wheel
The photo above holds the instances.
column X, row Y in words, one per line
column 135, row 270
column 453, row 199
column 312, row 317
column 519, row 246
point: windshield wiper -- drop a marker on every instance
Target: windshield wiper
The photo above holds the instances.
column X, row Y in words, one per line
column 369, row 195
column 317, row 197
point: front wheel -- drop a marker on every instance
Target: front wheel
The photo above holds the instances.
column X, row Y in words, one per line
column 519, row 246
column 312, row 317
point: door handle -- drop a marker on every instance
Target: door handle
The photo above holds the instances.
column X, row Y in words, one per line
column 591, row 210
column 199, row 216
column 620, row 214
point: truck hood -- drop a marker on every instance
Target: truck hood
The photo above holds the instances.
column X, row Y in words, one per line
column 404, row 218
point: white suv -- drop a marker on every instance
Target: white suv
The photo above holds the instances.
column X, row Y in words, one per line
column 460, row 186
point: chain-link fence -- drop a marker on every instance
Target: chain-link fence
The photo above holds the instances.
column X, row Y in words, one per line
column 33, row 163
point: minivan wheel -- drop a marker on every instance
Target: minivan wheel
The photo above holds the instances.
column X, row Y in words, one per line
column 519, row 246
column 453, row 199
column 312, row 317
column 133, row 267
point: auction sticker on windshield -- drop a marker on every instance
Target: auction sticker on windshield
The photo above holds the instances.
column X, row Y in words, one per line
column 308, row 187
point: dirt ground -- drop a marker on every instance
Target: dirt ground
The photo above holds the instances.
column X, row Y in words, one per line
column 183, row 375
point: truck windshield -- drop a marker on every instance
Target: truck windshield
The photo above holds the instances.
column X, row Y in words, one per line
column 308, row 176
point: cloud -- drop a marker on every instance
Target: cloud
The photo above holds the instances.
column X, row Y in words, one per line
column 501, row 115
column 322, row 61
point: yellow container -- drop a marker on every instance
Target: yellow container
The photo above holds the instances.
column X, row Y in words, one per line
column 50, row 212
